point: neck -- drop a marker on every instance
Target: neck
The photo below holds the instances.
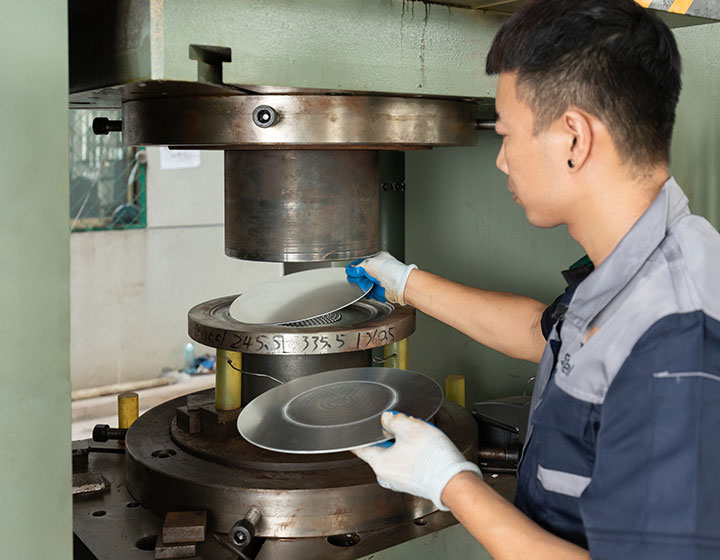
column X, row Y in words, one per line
column 610, row 208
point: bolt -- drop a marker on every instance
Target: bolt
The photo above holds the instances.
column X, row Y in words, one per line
column 243, row 531
column 264, row 116
column 103, row 432
column 103, row 125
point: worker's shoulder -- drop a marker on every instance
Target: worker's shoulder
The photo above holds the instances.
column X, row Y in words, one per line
column 691, row 250
column 674, row 300
column 671, row 303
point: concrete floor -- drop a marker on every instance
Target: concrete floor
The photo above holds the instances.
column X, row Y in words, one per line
column 86, row 413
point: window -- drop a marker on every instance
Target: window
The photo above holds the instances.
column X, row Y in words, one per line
column 107, row 180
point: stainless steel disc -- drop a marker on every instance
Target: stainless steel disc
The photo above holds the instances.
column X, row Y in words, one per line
column 336, row 410
column 296, row 297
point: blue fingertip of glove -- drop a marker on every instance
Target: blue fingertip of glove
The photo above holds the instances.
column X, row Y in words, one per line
column 388, row 443
column 358, row 275
column 362, row 281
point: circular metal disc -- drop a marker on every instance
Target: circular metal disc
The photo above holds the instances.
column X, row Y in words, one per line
column 336, row 410
column 296, row 297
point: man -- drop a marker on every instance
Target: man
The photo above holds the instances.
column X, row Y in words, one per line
column 622, row 453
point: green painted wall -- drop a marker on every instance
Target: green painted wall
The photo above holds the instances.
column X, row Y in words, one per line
column 365, row 45
column 462, row 224
column 695, row 158
column 35, row 502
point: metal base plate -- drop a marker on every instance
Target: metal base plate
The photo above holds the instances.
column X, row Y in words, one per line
column 125, row 530
column 113, row 526
column 167, row 475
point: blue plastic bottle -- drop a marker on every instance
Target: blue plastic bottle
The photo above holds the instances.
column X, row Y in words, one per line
column 189, row 358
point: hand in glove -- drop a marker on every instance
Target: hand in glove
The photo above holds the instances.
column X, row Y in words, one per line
column 421, row 461
column 383, row 273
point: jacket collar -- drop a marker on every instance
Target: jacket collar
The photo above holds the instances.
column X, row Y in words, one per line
column 615, row 272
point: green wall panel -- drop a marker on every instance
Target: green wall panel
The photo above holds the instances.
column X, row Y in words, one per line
column 696, row 144
column 35, row 497
column 393, row 46
column 374, row 45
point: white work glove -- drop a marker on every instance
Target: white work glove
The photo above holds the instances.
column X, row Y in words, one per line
column 383, row 273
column 421, row 461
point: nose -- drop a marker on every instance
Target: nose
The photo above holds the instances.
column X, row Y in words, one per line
column 501, row 162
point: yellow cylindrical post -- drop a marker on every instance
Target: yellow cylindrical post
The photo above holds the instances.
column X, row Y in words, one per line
column 128, row 409
column 455, row 389
column 396, row 354
column 228, row 381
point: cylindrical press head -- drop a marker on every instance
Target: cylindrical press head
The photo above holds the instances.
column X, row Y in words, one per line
column 301, row 205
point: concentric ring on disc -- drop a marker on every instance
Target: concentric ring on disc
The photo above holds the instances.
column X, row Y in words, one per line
column 340, row 404
column 336, row 410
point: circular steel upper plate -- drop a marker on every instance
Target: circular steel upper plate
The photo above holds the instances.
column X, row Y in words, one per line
column 375, row 121
column 336, row 410
column 296, row 297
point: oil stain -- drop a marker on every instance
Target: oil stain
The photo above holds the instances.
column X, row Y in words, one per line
column 408, row 7
column 422, row 44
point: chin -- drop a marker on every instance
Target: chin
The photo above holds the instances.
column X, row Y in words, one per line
column 540, row 221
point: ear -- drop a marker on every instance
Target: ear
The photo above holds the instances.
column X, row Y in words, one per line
column 579, row 134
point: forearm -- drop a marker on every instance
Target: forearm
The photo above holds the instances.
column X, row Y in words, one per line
column 500, row 527
column 505, row 322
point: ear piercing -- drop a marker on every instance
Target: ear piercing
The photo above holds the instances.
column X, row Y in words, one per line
column 571, row 164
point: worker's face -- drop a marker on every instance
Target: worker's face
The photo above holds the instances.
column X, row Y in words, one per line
column 529, row 160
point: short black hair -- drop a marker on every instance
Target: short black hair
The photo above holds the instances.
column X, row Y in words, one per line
column 611, row 58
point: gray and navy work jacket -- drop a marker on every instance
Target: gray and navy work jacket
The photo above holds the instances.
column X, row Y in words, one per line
column 623, row 451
